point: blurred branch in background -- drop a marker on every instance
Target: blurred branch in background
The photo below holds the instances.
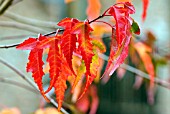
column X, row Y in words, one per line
column 12, row 82
column 30, row 21
column 30, row 82
column 15, row 37
column 140, row 73
column 22, row 26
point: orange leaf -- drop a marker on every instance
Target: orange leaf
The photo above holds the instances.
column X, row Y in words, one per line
column 54, row 62
column 100, row 29
column 60, row 83
column 144, row 51
column 93, row 9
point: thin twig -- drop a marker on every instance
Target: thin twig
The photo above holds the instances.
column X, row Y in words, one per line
column 9, row 46
column 30, row 82
column 14, row 45
column 22, row 26
column 9, row 81
column 140, row 73
column 30, row 21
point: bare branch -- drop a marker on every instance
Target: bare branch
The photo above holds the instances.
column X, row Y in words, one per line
column 31, row 21
column 14, row 45
column 9, row 46
column 22, row 26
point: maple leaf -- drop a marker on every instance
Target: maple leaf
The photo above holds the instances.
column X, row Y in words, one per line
column 93, row 9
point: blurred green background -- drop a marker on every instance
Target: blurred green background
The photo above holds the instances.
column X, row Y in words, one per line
column 117, row 96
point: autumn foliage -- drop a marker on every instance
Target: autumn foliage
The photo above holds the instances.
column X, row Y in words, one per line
column 76, row 40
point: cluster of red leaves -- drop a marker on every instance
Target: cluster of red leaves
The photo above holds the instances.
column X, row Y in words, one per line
column 75, row 39
column 61, row 49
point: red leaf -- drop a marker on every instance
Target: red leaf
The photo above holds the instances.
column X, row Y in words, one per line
column 35, row 66
column 119, row 45
column 68, row 45
column 94, row 66
column 28, row 44
column 145, row 8
column 68, row 22
column 68, row 41
column 60, row 83
column 85, row 45
column 54, row 60
column 95, row 100
column 93, row 9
